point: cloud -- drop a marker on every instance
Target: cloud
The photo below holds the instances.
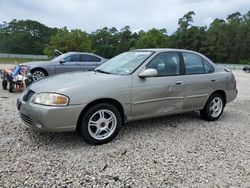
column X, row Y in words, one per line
column 90, row 15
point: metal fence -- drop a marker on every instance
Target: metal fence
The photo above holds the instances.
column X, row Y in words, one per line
column 23, row 56
column 231, row 66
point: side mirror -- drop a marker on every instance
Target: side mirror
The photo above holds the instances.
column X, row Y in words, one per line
column 62, row 61
column 148, row 73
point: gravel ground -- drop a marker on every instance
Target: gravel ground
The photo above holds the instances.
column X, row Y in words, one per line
column 180, row 151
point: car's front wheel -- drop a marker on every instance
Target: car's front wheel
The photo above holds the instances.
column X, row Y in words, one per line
column 100, row 124
column 213, row 108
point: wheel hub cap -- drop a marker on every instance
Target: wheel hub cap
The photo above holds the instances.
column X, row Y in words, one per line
column 102, row 124
column 216, row 107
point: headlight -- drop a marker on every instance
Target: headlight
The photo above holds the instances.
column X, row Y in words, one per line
column 51, row 99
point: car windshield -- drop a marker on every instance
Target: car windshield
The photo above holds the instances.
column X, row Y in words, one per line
column 60, row 57
column 125, row 63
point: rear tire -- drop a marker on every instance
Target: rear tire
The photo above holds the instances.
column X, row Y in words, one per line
column 100, row 124
column 213, row 108
column 38, row 74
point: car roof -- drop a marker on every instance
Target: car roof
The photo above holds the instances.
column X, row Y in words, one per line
column 78, row 53
column 159, row 50
column 84, row 53
column 164, row 50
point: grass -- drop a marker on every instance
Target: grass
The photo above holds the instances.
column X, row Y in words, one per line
column 17, row 60
column 245, row 61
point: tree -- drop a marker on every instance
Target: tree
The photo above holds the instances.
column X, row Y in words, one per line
column 105, row 42
column 65, row 41
column 154, row 38
column 186, row 21
column 188, row 36
column 217, row 41
column 234, row 36
column 24, row 36
column 245, row 37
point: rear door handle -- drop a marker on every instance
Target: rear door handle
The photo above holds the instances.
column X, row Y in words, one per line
column 178, row 82
column 213, row 79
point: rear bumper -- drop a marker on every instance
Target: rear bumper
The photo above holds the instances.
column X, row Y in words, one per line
column 49, row 118
column 231, row 95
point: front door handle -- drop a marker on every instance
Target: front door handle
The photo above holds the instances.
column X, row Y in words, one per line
column 178, row 82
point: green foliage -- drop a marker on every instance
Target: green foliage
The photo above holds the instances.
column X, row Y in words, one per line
column 154, row 38
column 24, row 37
column 16, row 60
column 65, row 41
column 110, row 42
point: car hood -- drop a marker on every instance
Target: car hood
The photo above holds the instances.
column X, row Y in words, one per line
column 37, row 63
column 76, row 81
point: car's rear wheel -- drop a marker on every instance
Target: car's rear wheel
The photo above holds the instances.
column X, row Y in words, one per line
column 100, row 124
column 38, row 74
column 213, row 108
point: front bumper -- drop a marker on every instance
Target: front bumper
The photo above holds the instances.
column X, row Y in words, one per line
column 49, row 118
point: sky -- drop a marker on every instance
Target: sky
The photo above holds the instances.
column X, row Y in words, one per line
column 90, row 15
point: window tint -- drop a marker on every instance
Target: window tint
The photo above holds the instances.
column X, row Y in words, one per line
column 208, row 67
column 193, row 63
column 90, row 58
column 72, row 58
column 166, row 64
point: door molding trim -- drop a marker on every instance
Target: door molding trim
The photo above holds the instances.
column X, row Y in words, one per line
column 197, row 96
column 156, row 100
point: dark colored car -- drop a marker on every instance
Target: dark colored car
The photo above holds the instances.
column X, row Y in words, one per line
column 68, row 62
column 246, row 68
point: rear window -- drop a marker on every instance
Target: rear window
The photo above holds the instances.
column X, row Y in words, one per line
column 90, row 58
column 208, row 67
column 194, row 64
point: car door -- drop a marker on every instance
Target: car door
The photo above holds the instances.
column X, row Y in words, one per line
column 69, row 64
column 200, row 81
column 90, row 62
column 163, row 94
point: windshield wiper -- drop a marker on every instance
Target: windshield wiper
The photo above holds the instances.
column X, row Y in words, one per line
column 102, row 71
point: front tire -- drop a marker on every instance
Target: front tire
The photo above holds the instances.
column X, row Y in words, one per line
column 100, row 124
column 213, row 108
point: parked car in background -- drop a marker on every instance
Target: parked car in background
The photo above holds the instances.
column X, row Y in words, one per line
column 133, row 85
column 68, row 62
column 246, row 68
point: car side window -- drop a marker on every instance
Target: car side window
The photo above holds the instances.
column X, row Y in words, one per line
column 208, row 67
column 193, row 63
column 72, row 58
column 166, row 64
column 90, row 58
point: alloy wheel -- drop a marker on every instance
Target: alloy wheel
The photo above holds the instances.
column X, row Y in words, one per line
column 37, row 75
column 102, row 124
column 216, row 107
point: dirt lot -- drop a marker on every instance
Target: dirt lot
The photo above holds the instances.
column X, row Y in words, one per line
column 181, row 150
